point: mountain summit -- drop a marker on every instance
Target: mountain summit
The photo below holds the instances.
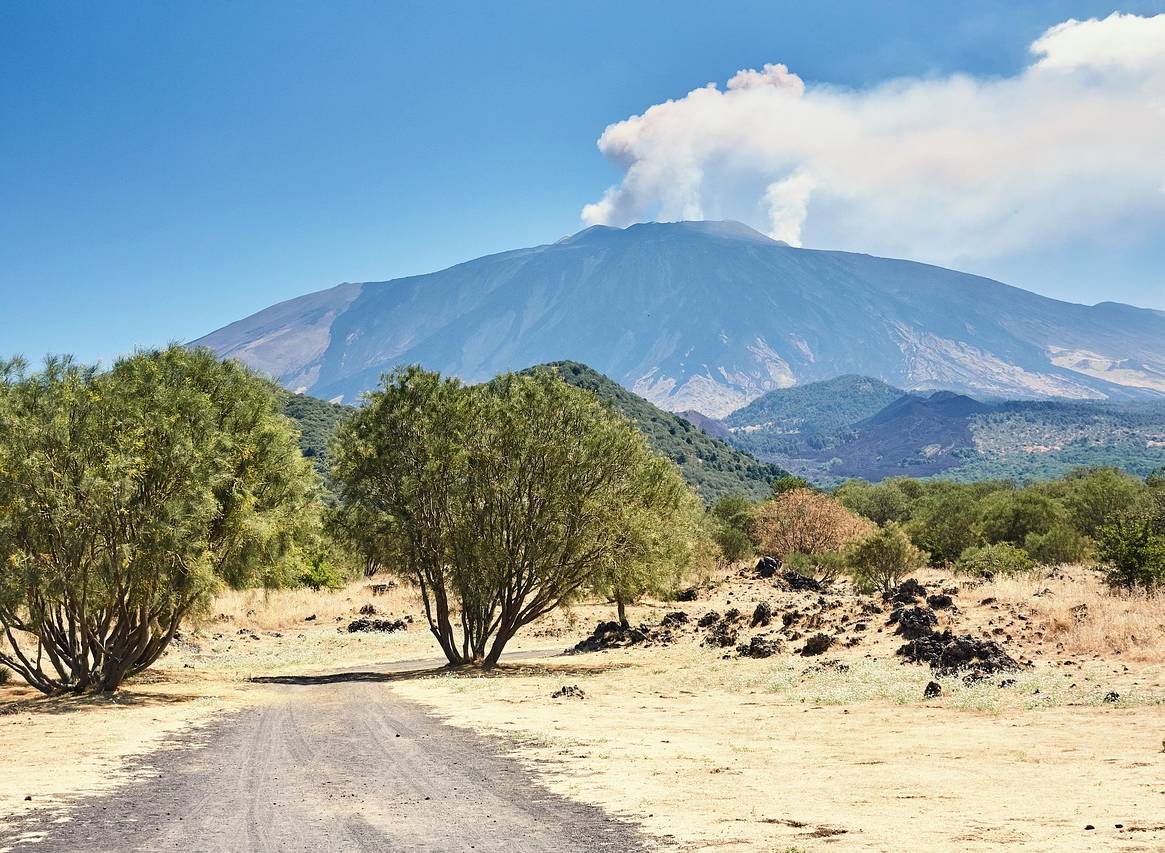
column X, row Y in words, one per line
column 705, row 316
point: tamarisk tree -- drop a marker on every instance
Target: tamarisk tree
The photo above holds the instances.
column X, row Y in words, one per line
column 501, row 501
column 127, row 498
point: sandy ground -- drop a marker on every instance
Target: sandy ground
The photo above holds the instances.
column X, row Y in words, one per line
column 701, row 748
column 725, row 768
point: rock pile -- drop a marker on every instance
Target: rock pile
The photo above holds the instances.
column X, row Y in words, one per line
column 612, row 635
column 366, row 624
column 948, row 654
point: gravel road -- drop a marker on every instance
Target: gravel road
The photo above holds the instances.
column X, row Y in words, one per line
column 337, row 763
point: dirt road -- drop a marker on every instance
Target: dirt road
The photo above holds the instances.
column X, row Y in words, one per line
column 337, row 763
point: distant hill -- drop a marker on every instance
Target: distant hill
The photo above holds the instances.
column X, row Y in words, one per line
column 712, row 467
column 706, row 316
column 784, row 421
column 316, row 420
column 954, row 435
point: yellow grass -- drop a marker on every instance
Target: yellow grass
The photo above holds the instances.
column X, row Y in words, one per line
column 279, row 609
column 1080, row 611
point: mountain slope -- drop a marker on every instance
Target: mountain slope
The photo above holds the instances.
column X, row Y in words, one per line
column 705, row 316
column 711, row 466
column 961, row 438
column 782, row 421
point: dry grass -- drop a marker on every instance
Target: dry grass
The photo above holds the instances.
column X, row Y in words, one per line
column 1085, row 616
column 280, row 609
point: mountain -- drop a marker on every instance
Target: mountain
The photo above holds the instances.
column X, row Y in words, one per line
column 706, row 316
column 952, row 435
column 710, row 466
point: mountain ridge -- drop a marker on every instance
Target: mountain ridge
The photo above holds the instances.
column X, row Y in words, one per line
column 705, row 316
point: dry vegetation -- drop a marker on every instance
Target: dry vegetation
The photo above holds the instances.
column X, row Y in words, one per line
column 708, row 750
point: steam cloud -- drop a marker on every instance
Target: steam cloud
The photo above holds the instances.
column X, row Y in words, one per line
column 945, row 168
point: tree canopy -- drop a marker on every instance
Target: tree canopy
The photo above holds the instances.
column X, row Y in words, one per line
column 127, row 498
column 503, row 501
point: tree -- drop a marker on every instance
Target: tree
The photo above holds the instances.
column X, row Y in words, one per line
column 1010, row 516
column 788, row 483
column 502, row 501
column 1094, row 497
column 1132, row 554
column 127, row 498
column 879, row 502
column 806, row 521
column 882, row 556
column 942, row 523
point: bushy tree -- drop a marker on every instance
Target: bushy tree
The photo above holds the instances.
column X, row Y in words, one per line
column 502, row 501
column 806, row 521
column 1059, row 545
column 788, row 483
column 1132, row 553
column 734, row 527
column 1010, row 516
column 881, row 557
column 1095, row 497
column 127, row 498
column 943, row 521
column 999, row 558
column 879, row 502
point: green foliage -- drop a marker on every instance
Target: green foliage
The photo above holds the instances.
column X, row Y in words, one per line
column 734, row 544
column 880, row 558
column 788, row 483
column 1060, row 544
column 1000, row 558
column 317, row 421
column 1132, row 553
column 942, row 521
column 319, row 572
column 1012, row 515
column 825, row 567
column 505, row 501
column 879, row 502
column 712, row 467
column 127, row 498
column 1094, row 497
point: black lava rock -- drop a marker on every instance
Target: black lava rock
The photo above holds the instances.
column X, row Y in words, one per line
column 816, row 645
column 932, row 690
column 766, row 567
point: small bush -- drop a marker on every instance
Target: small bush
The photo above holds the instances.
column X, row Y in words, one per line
column 734, row 544
column 826, row 567
column 5, row 675
column 319, row 574
column 882, row 556
column 1001, row 558
column 1132, row 554
column 1057, row 546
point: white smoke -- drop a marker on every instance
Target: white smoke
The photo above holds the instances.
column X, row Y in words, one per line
column 945, row 168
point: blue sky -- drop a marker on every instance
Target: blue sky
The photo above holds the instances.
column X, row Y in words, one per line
column 167, row 168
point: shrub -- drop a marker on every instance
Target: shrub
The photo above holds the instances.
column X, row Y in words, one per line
column 789, row 483
column 1059, row 545
column 733, row 544
column 825, row 567
column 808, row 522
column 319, row 573
column 942, row 523
column 5, row 675
column 1095, row 497
column 1000, row 558
column 1132, row 554
column 1011, row 516
column 880, row 503
column 882, row 556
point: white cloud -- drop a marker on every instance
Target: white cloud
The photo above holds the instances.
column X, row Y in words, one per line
column 944, row 169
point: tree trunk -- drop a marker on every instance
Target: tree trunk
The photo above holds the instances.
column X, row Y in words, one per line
column 621, row 609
